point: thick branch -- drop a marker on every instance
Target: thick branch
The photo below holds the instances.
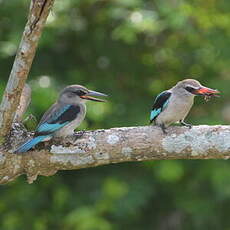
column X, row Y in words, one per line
column 116, row 145
column 39, row 10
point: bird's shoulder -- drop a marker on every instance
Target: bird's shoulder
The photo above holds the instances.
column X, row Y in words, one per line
column 67, row 114
column 60, row 112
column 161, row 99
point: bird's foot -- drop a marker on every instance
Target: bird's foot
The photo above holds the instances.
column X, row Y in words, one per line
column 185, row 124
column 72, row 138
column 163, row 128
column 78, row 135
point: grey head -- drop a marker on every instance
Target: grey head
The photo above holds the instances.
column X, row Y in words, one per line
column 191, row 88
column 75, row 94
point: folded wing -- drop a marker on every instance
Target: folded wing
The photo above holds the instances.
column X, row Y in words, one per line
column 160, row 104
column 56, row 119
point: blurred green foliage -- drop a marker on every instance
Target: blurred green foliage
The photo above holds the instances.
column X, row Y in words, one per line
column 131, row 50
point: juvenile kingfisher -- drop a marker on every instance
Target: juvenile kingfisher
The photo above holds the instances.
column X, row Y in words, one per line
column 62, row 117
column 173, row 105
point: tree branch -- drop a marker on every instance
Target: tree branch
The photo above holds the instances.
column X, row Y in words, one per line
column 39, row 10
column 114, row 145
column 24, row 102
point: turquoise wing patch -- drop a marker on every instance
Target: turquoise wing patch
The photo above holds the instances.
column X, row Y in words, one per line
column 50, row 127
column 155, row 113
column 160, row 104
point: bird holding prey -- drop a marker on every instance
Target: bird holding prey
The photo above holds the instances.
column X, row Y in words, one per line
column 173, row 105
column 62, row 117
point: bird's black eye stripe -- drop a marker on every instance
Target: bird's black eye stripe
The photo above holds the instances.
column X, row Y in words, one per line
column 190, row 89
column 80, row 92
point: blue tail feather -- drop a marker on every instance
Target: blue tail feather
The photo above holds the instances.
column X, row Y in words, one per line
column 30, row 143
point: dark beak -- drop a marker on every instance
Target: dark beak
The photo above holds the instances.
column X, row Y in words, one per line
column 91, row 93
column 204, row 91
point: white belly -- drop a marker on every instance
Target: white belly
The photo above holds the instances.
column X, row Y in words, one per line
column 176, row 110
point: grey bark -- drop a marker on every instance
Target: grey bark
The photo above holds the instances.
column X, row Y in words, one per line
column 114, row 145
column 38, row 13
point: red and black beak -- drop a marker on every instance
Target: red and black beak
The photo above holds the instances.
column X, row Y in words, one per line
column 204, row 91
column 88, row 96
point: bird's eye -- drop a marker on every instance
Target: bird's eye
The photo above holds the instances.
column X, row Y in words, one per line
column 80, row 92
column 189, row 89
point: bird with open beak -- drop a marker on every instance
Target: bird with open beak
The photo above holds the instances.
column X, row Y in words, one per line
column 63, row 116
column 173, row 105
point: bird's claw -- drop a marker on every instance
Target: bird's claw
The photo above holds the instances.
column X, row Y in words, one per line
column 163, row 128
column 164, row 132
column 78, row 135
column 186, row 124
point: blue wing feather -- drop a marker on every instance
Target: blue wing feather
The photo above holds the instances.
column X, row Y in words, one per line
column 155, row 113
column 160, row 104
column 46, row 127
column 56, row 114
